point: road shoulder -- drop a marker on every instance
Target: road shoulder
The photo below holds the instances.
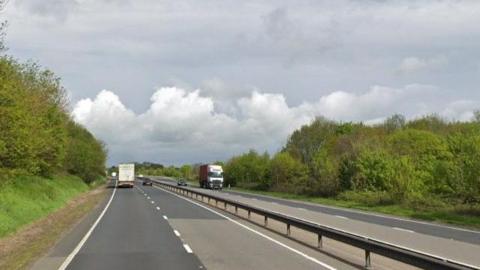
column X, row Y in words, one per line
column 44, row 243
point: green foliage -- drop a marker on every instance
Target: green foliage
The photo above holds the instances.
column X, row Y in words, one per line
column 27, row 198
column 324, row 178
column 395, row 122
column 148, row 168
column 248, row 170
column 288, row 174
column 423, row 163
column 86, row 156
column 37, row 135
column 464, row 179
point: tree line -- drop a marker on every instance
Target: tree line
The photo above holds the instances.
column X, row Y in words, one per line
column 37, row 133
column 423, row 161
column 186, row 171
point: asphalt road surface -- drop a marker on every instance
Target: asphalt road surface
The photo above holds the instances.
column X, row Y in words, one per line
column 149, row 228
column 427, row 228
column 391, row 231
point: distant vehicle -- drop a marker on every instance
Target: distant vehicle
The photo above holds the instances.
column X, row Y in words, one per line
column 114, row 175
column 126, row 175
column 181, row 182
column 147, row 182
column 211, row 176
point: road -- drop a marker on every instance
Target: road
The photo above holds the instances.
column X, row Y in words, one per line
column 149, row 228
column 392, row 232
column 152, row 228
column 427, row 228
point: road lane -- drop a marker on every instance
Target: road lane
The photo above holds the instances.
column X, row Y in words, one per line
column 133, row 235
column 221, row 244
column 428, row 228
column 446, row 248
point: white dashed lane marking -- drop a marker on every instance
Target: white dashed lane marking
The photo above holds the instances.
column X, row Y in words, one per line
column 187, row 248
column 403, row 230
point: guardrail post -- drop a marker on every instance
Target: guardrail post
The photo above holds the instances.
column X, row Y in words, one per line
column 288, row 229
column 216, row 203
column 248, row 214
column 225, row 205
column 368, row 262
column 236, row 210
column 320, row 241
column 266, row 221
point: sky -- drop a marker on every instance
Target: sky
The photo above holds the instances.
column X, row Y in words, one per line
column 197, row 81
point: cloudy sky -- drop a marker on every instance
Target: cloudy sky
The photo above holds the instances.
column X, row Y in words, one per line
column 196, row 81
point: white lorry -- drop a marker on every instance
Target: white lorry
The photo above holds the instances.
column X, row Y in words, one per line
column 126, row 175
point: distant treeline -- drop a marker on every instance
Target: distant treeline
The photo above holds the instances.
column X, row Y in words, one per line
column 423, row 161
column 189, row 172
column 37, row 134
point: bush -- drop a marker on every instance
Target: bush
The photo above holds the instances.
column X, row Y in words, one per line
column 369, row 198
column 36, row 133
column 288, row 174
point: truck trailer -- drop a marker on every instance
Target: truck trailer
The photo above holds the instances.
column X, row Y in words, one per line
column 211, row 176
column 126, row 175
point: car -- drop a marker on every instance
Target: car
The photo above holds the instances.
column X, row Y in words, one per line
column 181, row 182
column 147, row 182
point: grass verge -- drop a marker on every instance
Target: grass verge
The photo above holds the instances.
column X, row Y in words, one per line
column 18, row 250
column 28, row 198
column 463, row 216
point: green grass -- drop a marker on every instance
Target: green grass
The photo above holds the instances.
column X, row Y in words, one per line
column 28, row 198
column 465, row 216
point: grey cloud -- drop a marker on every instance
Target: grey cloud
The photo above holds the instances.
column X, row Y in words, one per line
column 310, row 52
column 59, row 9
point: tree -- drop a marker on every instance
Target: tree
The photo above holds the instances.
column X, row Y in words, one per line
column 85, row 156
column 248, row 170
column 288, row 174
column 466, row 183
column 394, row 122
column 476, row 116
column 3, row 26
column 187, row 171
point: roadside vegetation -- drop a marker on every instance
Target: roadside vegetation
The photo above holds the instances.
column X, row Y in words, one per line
column 427, row 168
column 188, row 172
column 45, row 157
column 28, row 198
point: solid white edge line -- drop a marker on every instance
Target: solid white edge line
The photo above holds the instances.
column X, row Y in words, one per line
column 256, row 232
column 187, row 248
column 176, row 233
column 72, row 255
column 392, row 244
column 356, row 211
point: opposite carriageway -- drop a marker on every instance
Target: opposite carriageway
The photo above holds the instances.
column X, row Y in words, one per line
column 368, row 244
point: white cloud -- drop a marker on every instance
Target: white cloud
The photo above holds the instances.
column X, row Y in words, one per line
column 184, row 126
